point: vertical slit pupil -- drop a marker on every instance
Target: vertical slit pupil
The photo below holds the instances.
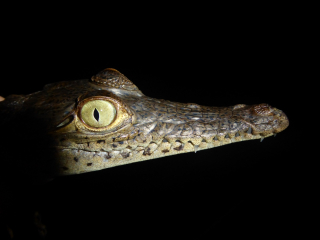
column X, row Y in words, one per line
column 96, row 114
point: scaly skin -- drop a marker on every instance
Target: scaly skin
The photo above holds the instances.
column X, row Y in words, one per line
column 144, row 128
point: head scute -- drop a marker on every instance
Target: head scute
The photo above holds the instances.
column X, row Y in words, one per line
column 112, row 78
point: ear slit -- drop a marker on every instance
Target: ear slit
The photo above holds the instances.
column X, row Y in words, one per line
column 65, row 122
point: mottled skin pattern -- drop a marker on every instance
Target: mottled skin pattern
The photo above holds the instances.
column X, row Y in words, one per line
column 144, row 128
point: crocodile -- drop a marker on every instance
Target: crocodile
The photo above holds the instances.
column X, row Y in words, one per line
column 74, row 127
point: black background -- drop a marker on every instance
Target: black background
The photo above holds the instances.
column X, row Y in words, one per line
column 249, row 189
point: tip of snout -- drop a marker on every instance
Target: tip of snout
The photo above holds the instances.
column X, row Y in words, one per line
column 278, row 121
column 283, row 120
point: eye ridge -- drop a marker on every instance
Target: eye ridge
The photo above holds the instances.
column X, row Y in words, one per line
column 96, row 114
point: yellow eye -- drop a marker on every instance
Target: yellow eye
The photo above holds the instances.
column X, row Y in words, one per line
column 98, row 113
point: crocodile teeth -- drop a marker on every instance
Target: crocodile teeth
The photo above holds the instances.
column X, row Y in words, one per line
column 196, row 147
column 261, row 139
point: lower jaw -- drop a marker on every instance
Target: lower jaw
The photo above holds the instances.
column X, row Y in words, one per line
column 87, row 161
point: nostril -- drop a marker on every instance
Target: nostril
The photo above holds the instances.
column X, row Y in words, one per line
column 262, row 109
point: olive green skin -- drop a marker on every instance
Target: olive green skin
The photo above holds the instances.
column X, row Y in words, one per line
column 58, row 140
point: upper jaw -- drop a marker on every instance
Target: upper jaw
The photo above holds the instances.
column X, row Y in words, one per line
column 241, row 122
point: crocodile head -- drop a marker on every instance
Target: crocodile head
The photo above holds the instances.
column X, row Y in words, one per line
column 86, row 125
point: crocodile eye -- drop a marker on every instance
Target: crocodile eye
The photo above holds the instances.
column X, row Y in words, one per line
column 98, row 113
